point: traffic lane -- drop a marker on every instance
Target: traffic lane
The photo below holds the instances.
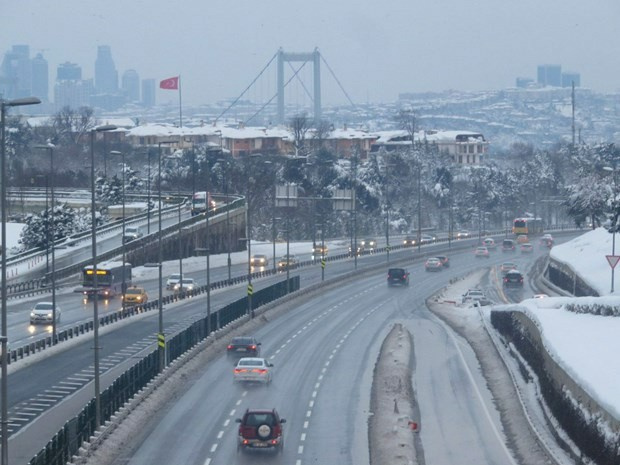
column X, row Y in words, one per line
column 459, row 423
column 298, row 343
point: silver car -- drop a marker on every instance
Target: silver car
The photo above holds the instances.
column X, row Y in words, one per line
column 43, row 313
column 253, row 369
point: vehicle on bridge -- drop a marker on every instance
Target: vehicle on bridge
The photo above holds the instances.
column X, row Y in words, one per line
column 110, row 278
column 200, row 200
column 527, row 226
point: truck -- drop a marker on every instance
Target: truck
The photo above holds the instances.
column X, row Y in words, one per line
column 200, row 200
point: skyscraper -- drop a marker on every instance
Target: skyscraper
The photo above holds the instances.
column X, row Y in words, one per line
column 550, row 75
column 40, row 78
column 131, row 85
column 148, row 92
column 106, row 76
column 70, row 89
column 16, row 72
column 569, row 77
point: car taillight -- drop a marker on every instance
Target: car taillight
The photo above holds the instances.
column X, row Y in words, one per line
column 259, row 370
column 230, row 347
column 252, row 347
column 505, row 280
column 240, row 370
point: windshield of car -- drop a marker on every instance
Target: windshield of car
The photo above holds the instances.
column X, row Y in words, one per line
column 250, row 363
column 242, row 341
column 397, row 272
column 44, row 306
column 134, row 291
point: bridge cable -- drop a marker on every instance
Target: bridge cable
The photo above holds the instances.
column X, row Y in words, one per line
column 246, row 89
column 337, row 81
column 302, row 84
column 275, row 95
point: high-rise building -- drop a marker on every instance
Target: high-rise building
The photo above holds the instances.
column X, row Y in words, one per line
column 16, row 73
column 70, row 89
column 131, row 85
column 524, row 82
column 148, row 92
column 569, row 77
column 106, row 76
column 550, row 75
column 40, row 78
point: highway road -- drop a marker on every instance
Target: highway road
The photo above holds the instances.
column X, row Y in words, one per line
column 324, row 352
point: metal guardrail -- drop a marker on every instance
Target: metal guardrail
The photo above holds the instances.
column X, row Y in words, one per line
column 68, row 440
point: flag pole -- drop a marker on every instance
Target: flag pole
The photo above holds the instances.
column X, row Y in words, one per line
column 180, row 105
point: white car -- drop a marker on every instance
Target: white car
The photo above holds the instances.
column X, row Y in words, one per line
column 173, row 280
column 186, row 284
column 489, row 243
column 473, row 295
column 252, row 369
column 131, row 233
column 43, row 312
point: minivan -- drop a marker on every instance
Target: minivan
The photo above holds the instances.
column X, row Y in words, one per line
column 508, row 245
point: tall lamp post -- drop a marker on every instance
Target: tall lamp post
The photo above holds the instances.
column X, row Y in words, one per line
column 4, row 104
column 50, row 224
column 93, row 219
column 225, row 181
column 124, row 284
column 148, row 194
column 161, row 338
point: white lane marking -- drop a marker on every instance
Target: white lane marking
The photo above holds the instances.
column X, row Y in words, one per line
column 300, row 450
column 213, row 447
column 311, row 404
column 298, row 462
column 313, row 393
column 308, row 413
column 227, row 422
column 220, row 434
column 232, row 413
column 317, row 385
column 33, row 409
column 207, row 462
column 306, row 424
column 239, row 402
column 303, row 437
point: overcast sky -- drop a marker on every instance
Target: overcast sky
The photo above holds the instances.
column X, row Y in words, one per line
column 376, row 49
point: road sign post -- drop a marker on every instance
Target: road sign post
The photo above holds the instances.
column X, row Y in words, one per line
column 613, row 261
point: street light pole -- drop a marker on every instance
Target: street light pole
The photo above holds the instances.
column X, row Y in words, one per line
column 148, row 195
column 93, row 219
column 50, row 225
column 124, row 284
column 225, row 181
column 4, row 429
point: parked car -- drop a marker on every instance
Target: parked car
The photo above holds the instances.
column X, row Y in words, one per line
column 43, row 312
column 244, row 346
column 131, row 233
column 260, row 429
column 433, row 264
column 481, row 252
column 507, row 266
column 186, row 284
column 259, row 260
column 135, row 295
column 287, row 261
column 445, row 261
column 513, row 278
column 526, row 247
column 398, row 277
column 252, row 369
column 173, row 280
column 489, row 243
column 508, row 245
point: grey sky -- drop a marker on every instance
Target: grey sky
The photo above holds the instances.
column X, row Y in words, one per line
column 377, row 49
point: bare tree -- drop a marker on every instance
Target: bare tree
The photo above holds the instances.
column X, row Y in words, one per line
column 300, row 125
column 70, row 126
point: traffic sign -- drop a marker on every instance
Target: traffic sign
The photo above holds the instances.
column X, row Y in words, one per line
column 612, row 260
column 323, row 263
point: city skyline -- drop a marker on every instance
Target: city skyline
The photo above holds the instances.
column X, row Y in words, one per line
column 376, row 53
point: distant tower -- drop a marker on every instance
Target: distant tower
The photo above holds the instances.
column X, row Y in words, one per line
column 314, row 58
column 550, row 75
column 16, row 73
column 70, row 90
column 131, row 85
column 106, row 76
column 40, row 78
column 148, row 92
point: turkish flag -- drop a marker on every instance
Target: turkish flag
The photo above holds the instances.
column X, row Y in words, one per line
column 170, row 83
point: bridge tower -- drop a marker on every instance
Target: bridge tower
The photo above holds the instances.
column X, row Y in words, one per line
column 312, row 57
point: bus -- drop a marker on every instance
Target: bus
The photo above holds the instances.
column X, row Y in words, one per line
column 109, row 279
column 199, row 202
column 527, row 226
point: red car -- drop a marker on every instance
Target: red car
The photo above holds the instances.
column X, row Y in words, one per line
column 260, row 429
